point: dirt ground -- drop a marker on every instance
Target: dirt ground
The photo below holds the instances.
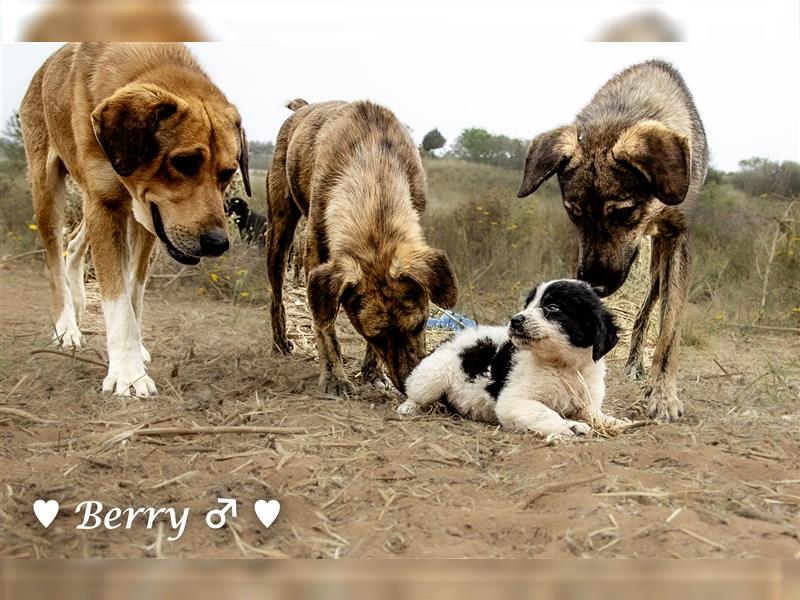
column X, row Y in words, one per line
column 354, row 480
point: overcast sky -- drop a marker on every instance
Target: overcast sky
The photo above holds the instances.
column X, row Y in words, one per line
column 748, row 94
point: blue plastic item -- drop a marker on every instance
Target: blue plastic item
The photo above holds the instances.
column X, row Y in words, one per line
column 451, row 321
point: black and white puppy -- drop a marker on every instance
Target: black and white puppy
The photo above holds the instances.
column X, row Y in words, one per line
column 252, row 225
column 544, row 372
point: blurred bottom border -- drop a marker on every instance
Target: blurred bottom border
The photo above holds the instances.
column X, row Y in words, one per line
column 398, row 579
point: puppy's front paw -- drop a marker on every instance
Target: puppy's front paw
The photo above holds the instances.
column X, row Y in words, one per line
column 145, row 354
column 663, row 405
column 408, row 408
column 124, row 376
column 337, row 386
column 578, row 428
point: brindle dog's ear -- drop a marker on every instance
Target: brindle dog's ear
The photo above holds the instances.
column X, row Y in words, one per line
column 326, row 284
column 659, row 153
column 547, row 153
column 244, row 161
column 606, row 336
column 435, row 274
column 125, row 125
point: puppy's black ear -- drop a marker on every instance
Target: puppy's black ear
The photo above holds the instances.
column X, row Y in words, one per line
column 326, row 284
column 606, row 337
column 244, row 161
column 547, row 153
column 659, row 153
column 125, row 125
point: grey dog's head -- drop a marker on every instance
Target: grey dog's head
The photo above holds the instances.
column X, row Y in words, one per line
column 615, row 177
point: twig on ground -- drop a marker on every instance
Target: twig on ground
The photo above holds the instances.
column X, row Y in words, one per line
column 558, row 487
column 18, row 412
column 69, row 355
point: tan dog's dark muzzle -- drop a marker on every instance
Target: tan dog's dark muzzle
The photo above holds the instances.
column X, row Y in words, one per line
column 214, row 242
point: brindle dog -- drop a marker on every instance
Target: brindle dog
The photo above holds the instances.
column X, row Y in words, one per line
column 631, row 165
column 354, row 171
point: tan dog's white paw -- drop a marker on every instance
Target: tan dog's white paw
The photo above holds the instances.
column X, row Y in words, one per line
column 577, row 428
column 145, row 354
column 124, row 376
column 67, row 333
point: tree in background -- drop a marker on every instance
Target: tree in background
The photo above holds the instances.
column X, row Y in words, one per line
column 759, row 176
column 260, row 154
column 433, row 140
column 11, row 148
column 478, row 145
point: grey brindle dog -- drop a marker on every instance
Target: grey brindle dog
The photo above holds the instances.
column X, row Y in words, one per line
column 632, row 165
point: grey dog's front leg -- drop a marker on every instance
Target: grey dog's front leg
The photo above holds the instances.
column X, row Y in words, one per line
column 674, row 283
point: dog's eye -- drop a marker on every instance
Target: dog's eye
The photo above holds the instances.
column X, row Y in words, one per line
column 622, row 214
column 187, row 164
column 552, row 308
column 226, row 175
column 419, row 327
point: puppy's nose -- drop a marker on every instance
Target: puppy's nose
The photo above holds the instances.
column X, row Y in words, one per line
column 214, row 243
column 517, row 321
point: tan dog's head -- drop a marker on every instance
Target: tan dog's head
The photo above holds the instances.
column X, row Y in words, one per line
column 390, row 310
column 615, row 179
column 175, row 155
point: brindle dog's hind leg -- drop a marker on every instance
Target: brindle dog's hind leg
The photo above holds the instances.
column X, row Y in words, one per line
column 674, row 278
column 281, row 223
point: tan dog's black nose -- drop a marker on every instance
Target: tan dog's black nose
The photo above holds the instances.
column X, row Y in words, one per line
column 214, row 243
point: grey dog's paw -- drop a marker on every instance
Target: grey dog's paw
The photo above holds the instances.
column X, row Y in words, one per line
column 662, row 405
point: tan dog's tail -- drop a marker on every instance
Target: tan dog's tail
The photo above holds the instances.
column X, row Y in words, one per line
column 296, row 103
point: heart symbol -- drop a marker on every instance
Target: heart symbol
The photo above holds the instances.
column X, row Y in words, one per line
column 45, row 511
column 267, row 512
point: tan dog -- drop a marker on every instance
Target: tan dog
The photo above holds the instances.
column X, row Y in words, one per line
column 354, row 171
column 152, row 143
column 631, row 166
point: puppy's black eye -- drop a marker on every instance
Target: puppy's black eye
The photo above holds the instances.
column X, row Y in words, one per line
column 552, row 308
column 226, row 175
column 187, row 164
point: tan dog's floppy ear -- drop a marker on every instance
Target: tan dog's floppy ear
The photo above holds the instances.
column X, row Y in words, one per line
column 659, row 153
column 244, row 161
column 547, row 153
column 125, row 125
column 434, row 273
column 326, row 284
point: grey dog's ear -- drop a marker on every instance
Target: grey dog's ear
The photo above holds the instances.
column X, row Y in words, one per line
column 547, row 153
column 125, row 125
column 659, row 153
column 244, row 161
column 606, row 336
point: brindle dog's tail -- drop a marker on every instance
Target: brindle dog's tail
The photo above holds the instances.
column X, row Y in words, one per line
column 296, row 103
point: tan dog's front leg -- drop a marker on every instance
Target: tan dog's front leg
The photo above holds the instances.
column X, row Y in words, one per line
column 662, row 393
column 142, row 242
column 108, row 236
column 332, row 378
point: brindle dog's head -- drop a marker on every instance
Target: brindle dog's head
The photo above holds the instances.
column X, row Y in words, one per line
column 615, row 180
column 388, row 307
column 175, row 155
